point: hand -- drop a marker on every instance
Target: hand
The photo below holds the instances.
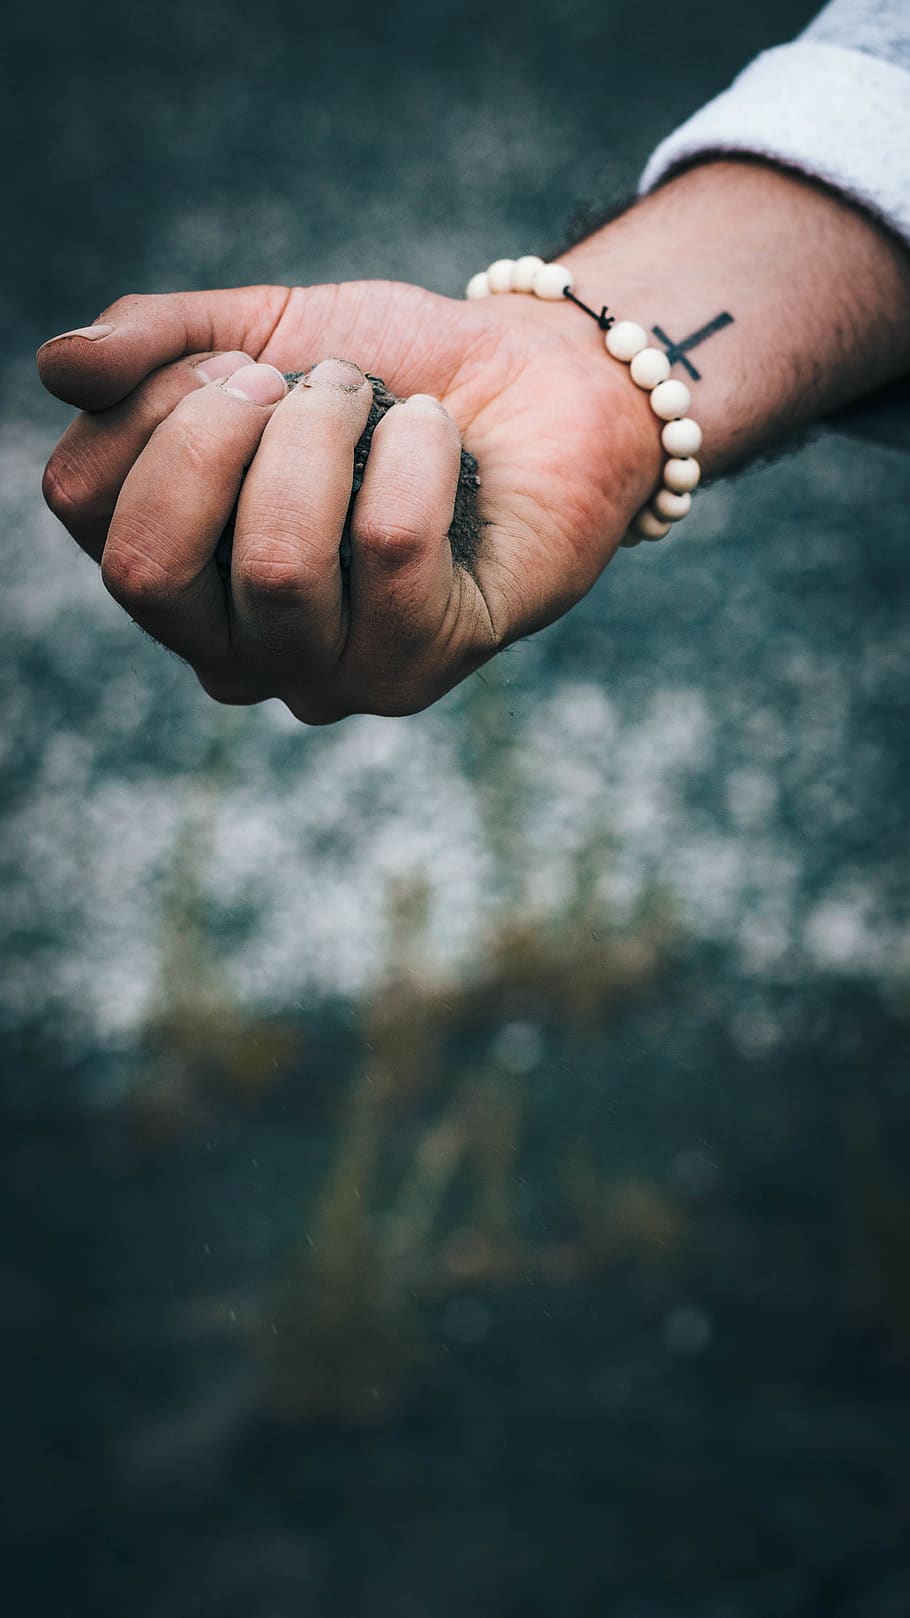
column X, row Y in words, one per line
column 148, row 477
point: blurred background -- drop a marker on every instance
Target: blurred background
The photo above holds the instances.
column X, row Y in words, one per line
column 454, row 1163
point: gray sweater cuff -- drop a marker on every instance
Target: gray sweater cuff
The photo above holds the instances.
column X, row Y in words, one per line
column 842, row 116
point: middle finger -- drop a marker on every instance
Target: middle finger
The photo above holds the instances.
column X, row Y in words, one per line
column 286, row 575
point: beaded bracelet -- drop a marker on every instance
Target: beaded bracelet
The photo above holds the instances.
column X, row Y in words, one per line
column 648, row 367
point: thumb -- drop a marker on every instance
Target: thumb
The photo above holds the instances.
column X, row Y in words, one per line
column 96, row 366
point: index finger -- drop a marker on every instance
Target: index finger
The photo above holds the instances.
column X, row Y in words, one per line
column 96, row 366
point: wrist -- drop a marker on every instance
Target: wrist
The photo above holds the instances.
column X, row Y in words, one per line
column 688, row 321
column 650, row 438
column 817, row 296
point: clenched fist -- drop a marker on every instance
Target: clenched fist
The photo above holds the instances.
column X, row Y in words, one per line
column 187, row 421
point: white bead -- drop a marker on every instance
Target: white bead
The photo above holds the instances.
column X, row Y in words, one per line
column 478, row 286
column 499, row 274
column 682, row 437
column 552, row 280
column 671, row 507
column 524, row 272
column 682, row 475
column 670, row 399
column 625, row 340
column 649, row 367
column 649, row 526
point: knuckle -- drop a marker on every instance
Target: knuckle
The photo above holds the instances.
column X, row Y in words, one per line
column 228, row 689
column 133, row 577
column 129, row 303
column 196, row 443
column 67, row 491
column 389, row 543
column 309, row 711
column 274, row 570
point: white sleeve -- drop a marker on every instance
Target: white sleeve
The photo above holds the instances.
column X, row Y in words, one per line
column 834, row 104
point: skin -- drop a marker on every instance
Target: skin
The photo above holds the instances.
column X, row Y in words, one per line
column 146, row 477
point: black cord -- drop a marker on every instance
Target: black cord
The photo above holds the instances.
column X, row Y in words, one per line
column 603, row 320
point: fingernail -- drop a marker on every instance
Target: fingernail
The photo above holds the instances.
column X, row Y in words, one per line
column 91, row 332
column 336, row 374
column 219, row 365
column 261, row 384
column 430, row 405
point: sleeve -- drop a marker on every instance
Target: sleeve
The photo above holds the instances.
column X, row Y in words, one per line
column 835, row 104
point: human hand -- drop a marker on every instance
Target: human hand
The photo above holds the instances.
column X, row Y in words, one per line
column 147, row 478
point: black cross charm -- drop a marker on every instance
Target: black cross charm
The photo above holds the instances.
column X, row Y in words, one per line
column 678, row 351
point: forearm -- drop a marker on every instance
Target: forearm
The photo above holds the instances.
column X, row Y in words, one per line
column 819, row 296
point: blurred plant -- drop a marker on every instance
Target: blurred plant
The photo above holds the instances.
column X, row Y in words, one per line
column 424, row 1195
column 425, row 1192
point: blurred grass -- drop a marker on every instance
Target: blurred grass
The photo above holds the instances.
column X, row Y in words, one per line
column 429, row 1128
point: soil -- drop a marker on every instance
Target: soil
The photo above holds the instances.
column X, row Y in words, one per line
column 465, row 532
column 467, row 525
